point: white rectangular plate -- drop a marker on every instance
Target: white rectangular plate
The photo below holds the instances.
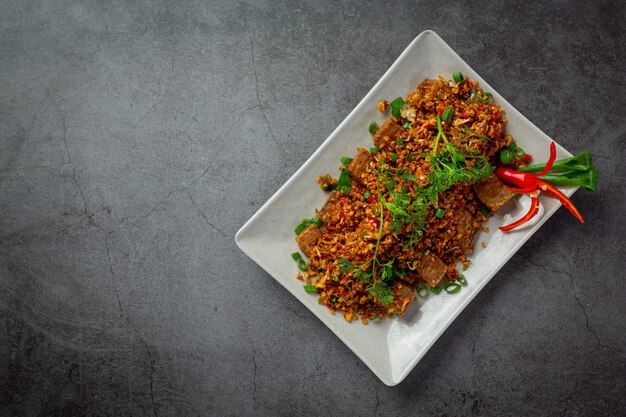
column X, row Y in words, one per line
column 392, row 347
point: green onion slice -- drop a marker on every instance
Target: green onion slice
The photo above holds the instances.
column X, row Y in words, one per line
column 400, row 141
column 300, row 228
column 373, row 127
column 439, row 213
column 458, row 77
column 422, row 290
column 296, row 256
column 446, row 116
column 344, row 183
column 435, row 290
column 302, row 266
column 310, row 288
column 367, row 194
column 407, row 125
column 506, row 156
column 345, row 160
column 461, row 279
column 452, row 287
column 374, row 149
column 396, row 106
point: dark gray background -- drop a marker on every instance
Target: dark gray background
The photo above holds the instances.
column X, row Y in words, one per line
column 137, row 137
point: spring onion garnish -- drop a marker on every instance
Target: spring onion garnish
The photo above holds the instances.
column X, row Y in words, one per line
column 345, row 160
column 400, row 141
column 422, row 290
column 306, row 223
column 302, row 266
column 407, row 125
column 296, row 256
column 506, row 156
column 396, row 106
column 446, row 116
column 344, row 183
column 434, row 290
column 458, row 77
column 394, row 156
column 374, row 149
column 367, row 194
column 439, row 213
column 373, row 127
column 310, row 288
column 452, row 287
column 461, row 279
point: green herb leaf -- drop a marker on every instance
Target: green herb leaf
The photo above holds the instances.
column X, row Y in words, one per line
column 373, row 127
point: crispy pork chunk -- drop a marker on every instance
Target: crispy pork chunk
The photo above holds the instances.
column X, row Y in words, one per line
column 492, row 193
column 387, row 133
column 359, row 165
column 307, row 239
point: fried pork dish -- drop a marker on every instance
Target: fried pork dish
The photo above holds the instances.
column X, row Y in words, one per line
column 403, row 214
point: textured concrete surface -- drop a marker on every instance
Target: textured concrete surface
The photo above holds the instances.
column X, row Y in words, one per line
column 137, row 137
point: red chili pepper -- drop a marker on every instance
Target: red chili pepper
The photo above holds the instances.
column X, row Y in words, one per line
column 550, row 161
column 534, row 209
column 527, row 158
column 373, row 222
column 371, row 199
column 517, row 178
column 529, row 183
column 528, row 190
column 567, row 203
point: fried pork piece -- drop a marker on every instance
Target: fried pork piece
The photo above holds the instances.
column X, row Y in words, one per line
column 387, row 133
column 492, row 193
column 430, row 267
column 403, row 297
column 307, row 239
column 331, row 209
column 466, row 227
column 359, row 165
